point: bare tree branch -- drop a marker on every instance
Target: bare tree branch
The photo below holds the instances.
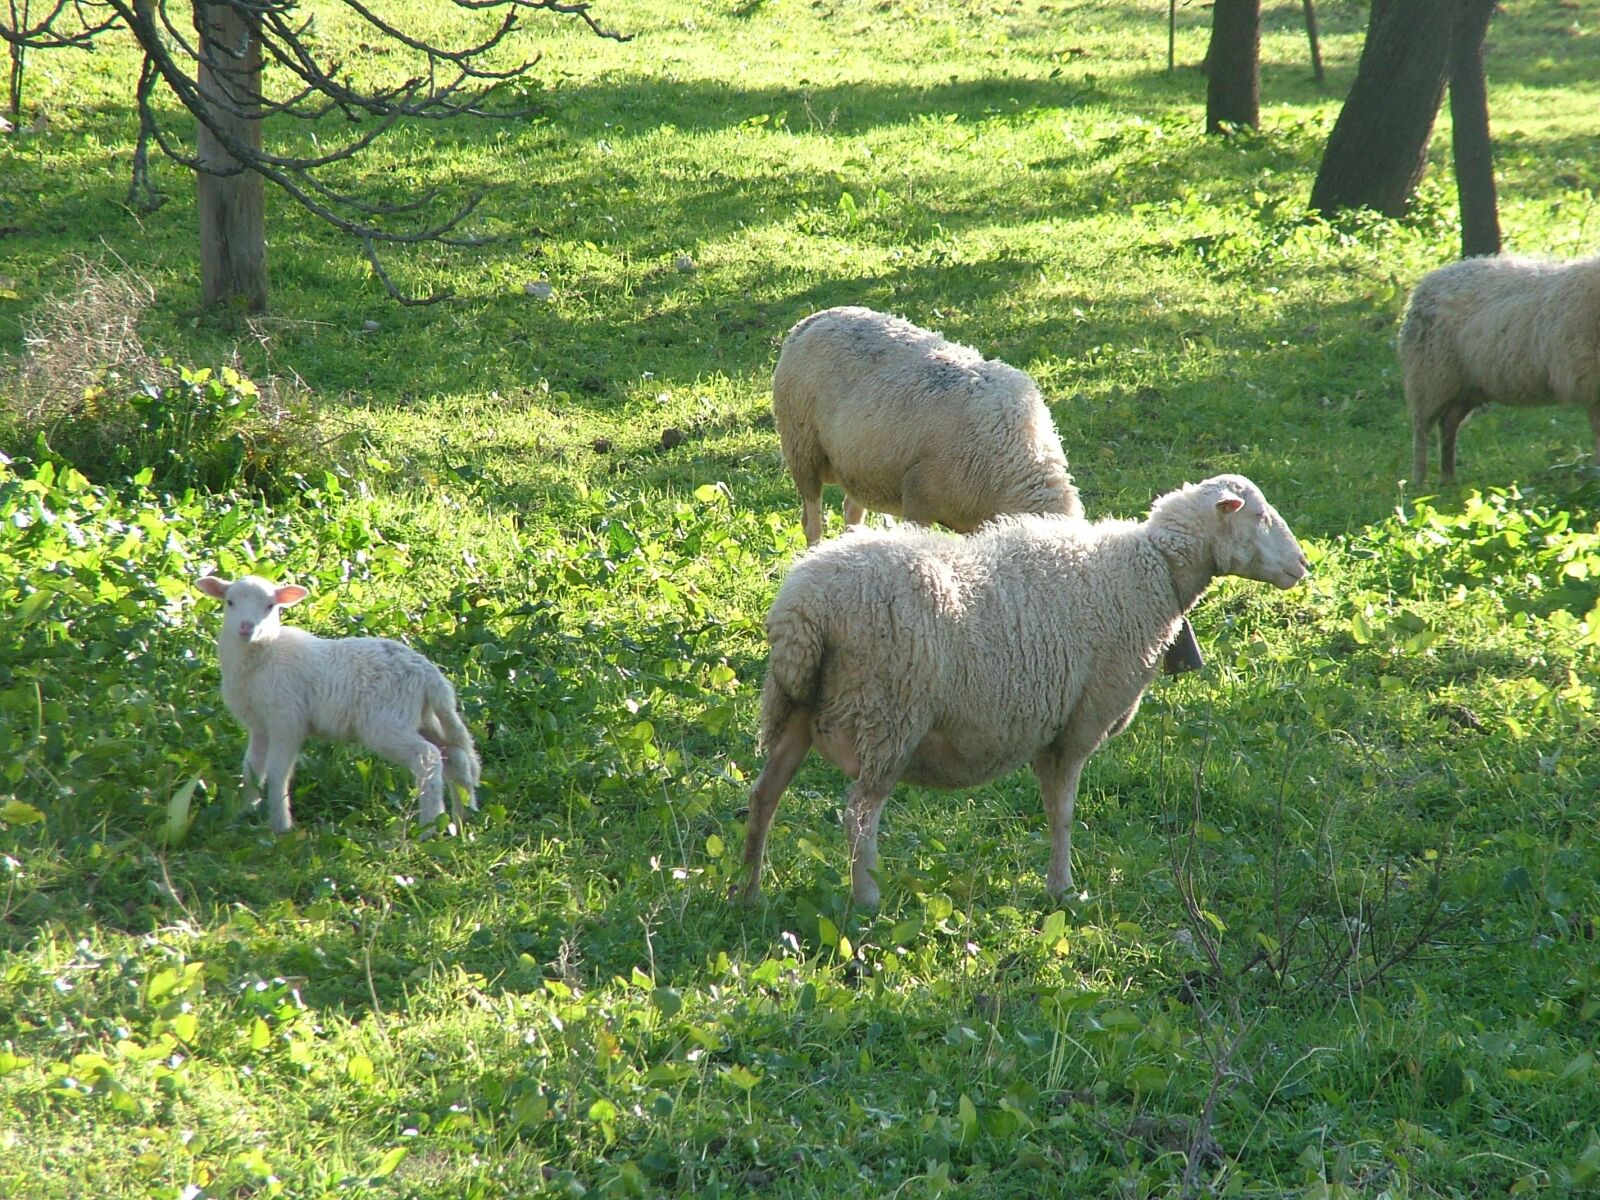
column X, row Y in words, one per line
column 227, row 90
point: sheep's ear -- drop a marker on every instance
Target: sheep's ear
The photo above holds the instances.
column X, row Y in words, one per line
column 1230, row 503
column 290, row 593
column 214, row 586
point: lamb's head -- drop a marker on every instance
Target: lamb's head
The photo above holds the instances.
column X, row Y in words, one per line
column 1245, row 534
column 251, row 605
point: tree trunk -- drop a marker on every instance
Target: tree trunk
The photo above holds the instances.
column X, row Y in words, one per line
column 1233, row 65
column 1469, row 118
column 1318, row 75
column 232, row 203
column 1379, row 145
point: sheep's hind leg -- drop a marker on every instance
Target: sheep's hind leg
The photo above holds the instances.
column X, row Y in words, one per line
column 1449, row 426
column 784, row 759
column 861, row 832
column 854, row 512
column 1058, row 787
column 410, row 749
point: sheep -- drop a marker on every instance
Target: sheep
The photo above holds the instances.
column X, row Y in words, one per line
column 913, row 425
column 920, row 427
column 947, row 662
column 1499, row 329
column 285, row 685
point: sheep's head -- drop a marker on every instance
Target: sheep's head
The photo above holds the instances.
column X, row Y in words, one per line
column 251, row 605
column 1246, row 535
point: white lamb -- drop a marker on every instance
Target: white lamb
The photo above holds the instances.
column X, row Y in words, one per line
column 912, row 424
column 949, row 661
column 1498, row 330
column 286, row 685
column 918, row 426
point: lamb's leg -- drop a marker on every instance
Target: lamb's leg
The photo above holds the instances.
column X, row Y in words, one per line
column 1058, row 787
column 786, row 755
column 276, row 772
column 861, row 832
column 255, row 768
column 1449, row 424
column 410, row 749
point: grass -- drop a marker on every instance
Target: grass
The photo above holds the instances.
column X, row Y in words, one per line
column 1375, row 804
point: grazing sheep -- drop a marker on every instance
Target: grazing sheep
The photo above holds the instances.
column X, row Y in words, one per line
column 1498, row 330
column 917, row 426
column 285, row 685
column 949, row 661
column 913, row 425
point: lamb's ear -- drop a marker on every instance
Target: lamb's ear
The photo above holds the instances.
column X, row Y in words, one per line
column 1230, row 503
column 214, row 586
column 290, row 593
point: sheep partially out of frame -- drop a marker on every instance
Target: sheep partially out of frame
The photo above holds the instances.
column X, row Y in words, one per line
column 1498, row 330
column 286, row 685
column 947, row 662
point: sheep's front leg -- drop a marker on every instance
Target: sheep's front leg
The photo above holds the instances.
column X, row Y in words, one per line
column 254, row 768
column 277, row 771
column 861, row 832
column 1058, row 787
column 784, row 759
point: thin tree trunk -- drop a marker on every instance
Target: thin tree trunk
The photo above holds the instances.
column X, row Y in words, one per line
column 1469, row 118
column 1317, row 74
column 1233, row 82
column 1172, row 35
column 1378, row 149
column 232, row 203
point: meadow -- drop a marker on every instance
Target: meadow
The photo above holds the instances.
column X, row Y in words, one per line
column 1336, row 933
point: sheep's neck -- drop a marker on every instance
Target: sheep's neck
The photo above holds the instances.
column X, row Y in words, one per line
column 1192, row 566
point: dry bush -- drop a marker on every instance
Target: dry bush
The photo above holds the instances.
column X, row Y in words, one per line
column 87, row 390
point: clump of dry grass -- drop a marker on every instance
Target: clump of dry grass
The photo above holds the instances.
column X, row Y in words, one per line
column 87, row 390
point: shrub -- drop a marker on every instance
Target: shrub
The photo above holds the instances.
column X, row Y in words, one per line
column 89, row 394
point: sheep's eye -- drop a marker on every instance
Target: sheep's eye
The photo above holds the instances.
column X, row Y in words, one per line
column 230, row 603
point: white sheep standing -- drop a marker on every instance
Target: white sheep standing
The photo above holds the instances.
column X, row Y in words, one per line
column 286, row 685
column 1500, row 330
column 918, row 426
column 947, row 661
column 911, row 424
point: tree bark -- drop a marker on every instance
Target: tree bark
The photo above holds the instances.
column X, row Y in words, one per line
column 232, row 201
column 1469, row 119
column 1233, row 66
column 1379, row 145
column 1318, row 75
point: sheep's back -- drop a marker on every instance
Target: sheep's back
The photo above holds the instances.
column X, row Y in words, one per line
column 990, row 639
column 879, row 397
column 1513, row 330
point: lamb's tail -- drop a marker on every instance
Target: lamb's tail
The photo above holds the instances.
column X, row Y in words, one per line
column 794, row 663
column 453, row 737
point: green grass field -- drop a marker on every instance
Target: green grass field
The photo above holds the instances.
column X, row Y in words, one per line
column 1376, row 802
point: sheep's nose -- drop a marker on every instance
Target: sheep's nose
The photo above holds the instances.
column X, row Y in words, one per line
column 246, row 628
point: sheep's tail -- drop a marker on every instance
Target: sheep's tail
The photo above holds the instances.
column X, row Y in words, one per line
column 794, row 665
column 455, row 739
